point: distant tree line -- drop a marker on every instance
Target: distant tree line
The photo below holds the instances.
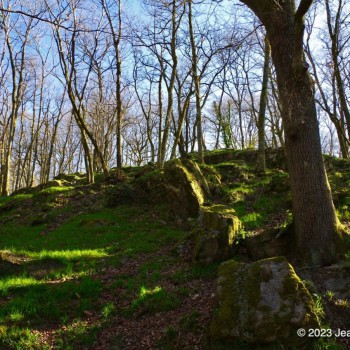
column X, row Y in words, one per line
column 95, row 84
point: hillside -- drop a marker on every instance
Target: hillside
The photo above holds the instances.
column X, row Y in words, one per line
column 123, row 264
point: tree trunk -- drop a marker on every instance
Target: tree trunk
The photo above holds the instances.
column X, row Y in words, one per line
column 261, row 164
column 196, row 86
column 316, row 226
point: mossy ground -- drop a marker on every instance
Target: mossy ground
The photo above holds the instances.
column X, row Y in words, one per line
column 98, row 267
column 66, row 278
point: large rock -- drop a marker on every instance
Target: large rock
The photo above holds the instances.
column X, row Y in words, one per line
column 218, row 228
column 234, row 171
column 262, row 303
column 186, row 187
column 70, row 178
column 53, row 183
column 269, row 243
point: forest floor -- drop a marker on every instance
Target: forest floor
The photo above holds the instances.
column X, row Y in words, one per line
column 93, row 267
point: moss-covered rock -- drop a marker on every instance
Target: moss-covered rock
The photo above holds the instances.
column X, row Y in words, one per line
column 121, row 194
column 234, row 170
column 70, row 178
column 269, row 243
column 219, row 156
column 53, row 183
column 262, row 303
column 186, row 187
column 216, row 236
column 276, row 158
column 279, row 182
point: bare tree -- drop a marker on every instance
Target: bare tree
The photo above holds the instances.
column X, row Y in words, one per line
column 316, row 226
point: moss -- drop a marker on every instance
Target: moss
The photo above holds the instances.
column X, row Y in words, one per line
column 263, row 302
column 219, row 229
column 186, row 187
column 54, row 183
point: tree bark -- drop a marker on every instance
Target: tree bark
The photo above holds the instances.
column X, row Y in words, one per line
column 316, row 226
column 261, row 164
column 196, row 85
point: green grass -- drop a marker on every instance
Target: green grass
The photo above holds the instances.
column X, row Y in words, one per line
column 13, row 282
column 56, row 189
column 47, row 278
column 201, row 271
column 154, row 299
column 50, row 278
column 76, row 334
column 108, row 310
column 20, row 339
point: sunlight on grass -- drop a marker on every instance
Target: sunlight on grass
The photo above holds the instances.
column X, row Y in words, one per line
column 16, row 316
column 67, row 254
column 56, row 189
column 17, row 282
column 252, row 220
column 108, row 310
column 20, row 339
column 145, row 291
column 63, row 255
column 155, row 300
column 17, row 197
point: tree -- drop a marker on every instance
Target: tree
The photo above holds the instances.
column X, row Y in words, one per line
column 261, row 166
column 316, row 227
column 69, row 46
column 116, row 36
column 17, row 58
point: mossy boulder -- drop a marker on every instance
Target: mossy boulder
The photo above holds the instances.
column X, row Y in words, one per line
column 269, row 243
column 53, row 183
column 263, row 303
column 218, row 228
column 234, row 170
column 279, row 183
column 219, row 156
column 121, row 194
column 186, row 187
column 276, row 158
column 69, row 178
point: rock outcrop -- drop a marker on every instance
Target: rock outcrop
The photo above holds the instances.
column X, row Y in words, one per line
column 186, row 187
column 218, row 228
column 263, row 303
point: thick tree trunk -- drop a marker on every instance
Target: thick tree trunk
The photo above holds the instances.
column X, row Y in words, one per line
column 315, row 223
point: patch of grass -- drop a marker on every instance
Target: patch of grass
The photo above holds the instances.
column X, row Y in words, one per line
column 76, row 335
column 42, row 302
column 66, row 255
column 14, row 282
column 170, row 336
column 108, row 310
column 197, row 271
column 151, row 271
column 318, row 306
column 154, row 300
column 20, row 339
column 56, row 189
column 252, row 220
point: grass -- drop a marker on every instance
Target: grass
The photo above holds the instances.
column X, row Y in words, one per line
column 50, row 275
column 154, row 300
column 48, row 279
column 255, row 201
